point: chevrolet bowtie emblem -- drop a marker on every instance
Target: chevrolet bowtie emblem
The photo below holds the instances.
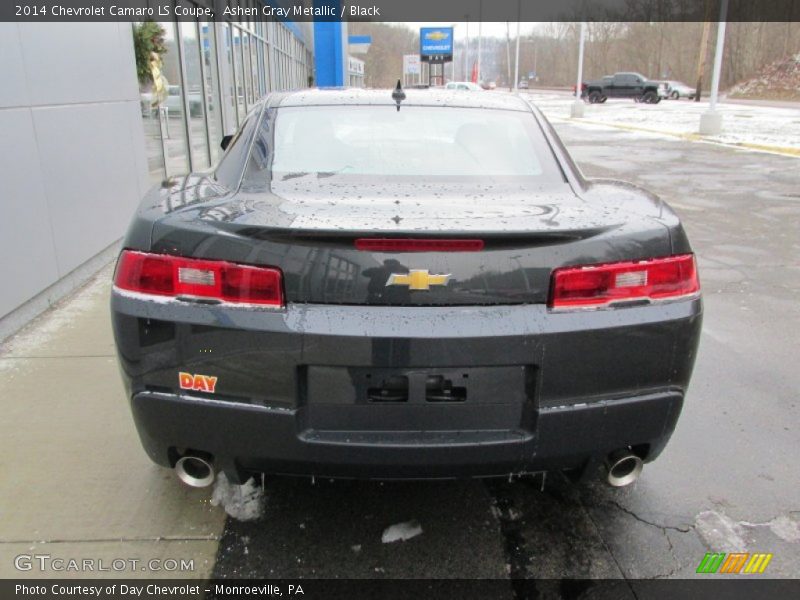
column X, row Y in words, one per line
column 417, row 279
column 436, row 36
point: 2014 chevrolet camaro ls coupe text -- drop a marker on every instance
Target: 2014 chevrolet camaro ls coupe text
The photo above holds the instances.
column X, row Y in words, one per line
column 403, row 285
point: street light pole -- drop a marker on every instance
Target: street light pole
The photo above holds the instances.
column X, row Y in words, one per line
column 516, row 60
column 480, row 37
column 508, row 56
column 577, row 107
column 711, row 120
column 466, row 52
column 452, row 62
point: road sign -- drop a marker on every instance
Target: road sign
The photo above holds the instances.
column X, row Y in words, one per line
column 411, row 64
column 436, row 44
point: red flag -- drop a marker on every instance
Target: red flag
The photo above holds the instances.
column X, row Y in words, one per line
column 474, row 77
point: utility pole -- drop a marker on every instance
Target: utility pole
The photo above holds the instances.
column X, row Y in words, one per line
column 516, row 60
column 508, row 56
column 711, row 121
column 466, row 52
column 577, row 107
column 701, row 59
column 480, row 37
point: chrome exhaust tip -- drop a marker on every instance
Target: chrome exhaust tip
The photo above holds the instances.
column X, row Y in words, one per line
column 623, row 468
column 195, row 471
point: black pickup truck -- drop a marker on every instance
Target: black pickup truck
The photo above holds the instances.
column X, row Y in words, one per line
column 621, row 85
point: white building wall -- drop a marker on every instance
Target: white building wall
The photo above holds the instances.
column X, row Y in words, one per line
column 72, row 158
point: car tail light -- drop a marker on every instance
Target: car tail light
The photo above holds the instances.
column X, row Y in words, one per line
column 595, row 286
column 418, row 245
column 165, row 275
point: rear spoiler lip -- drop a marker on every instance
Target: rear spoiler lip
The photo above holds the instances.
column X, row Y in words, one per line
column 493, row 240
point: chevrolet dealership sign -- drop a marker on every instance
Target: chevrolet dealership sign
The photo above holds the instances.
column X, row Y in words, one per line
column 436, row 44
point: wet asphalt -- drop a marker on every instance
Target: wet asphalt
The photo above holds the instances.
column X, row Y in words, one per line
column 728, row 481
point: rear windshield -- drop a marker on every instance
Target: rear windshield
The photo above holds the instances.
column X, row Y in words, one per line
column 417, row 141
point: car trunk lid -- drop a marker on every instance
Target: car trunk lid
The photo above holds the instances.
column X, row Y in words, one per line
column 309, row 226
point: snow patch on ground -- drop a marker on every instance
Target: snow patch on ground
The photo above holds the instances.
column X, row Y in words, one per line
column 741, row 124
column 785, row 528
column 401, row 532
column 723, row 534
column 720, row 532
column 62, row 315
column 242, row 502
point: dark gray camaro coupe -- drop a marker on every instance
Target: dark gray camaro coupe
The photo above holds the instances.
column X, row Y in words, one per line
column 408, row 285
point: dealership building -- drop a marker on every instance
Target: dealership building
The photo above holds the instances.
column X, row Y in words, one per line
column 85, row 140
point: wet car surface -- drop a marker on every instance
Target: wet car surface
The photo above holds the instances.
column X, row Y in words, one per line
column 403, row 286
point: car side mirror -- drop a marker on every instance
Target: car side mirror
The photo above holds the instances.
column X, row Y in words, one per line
column 226, row 140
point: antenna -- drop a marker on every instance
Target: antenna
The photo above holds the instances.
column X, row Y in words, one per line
column 398, row 95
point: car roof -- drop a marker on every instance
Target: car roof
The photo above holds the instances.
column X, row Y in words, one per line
column 414, row 97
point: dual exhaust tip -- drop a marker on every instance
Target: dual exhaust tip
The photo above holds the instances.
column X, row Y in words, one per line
column 195, row 470
column 623, row 467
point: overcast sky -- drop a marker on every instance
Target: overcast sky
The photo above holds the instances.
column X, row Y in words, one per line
column 487, row 29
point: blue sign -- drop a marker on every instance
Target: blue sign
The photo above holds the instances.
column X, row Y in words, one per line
column 436, row 44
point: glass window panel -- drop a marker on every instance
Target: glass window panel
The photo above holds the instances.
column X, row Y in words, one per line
column 212, row 85
column 231, row 84
column 170, row 106
column 152, row 131
column 254, row 42
column 250, row 68
column 196, row 95
column 241, row 102
column 258, row 48
column 267, row 72
column 247, row 79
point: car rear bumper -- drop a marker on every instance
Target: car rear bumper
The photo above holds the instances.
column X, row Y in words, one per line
column 246, row 439
column 296, row 391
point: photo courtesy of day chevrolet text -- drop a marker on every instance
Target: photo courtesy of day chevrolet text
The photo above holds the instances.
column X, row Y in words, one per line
column 110, row 590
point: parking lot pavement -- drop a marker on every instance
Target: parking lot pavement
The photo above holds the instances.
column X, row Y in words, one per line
column 773, row 128
column 73, row 470
column 728, row 475
column 74, row 482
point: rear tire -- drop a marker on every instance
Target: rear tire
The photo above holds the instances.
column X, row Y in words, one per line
column 675, row 96
column 594, row 97
column 650, row 98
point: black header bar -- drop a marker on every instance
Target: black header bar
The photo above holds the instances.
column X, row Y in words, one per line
column 437, row 11
column 736, row 588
